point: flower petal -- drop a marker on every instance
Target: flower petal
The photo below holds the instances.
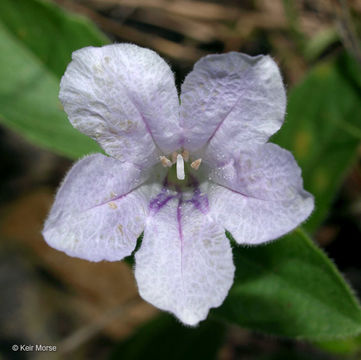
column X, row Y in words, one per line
column 123, row 96
column 253, row 221
column 96, row 215
column 261, row 196
column 185, row 262
column 265, row 172
column 231, row 101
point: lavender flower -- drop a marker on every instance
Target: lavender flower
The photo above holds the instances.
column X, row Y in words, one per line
column 183, row 171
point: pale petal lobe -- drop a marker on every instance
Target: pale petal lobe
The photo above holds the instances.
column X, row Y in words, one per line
column 124, row 97
column 184, row 265
column 253, row 221
column 265, row 172
column 259, row 196
column 231, row 101
column 96, row 214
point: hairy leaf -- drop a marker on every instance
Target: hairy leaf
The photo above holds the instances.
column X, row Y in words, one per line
column 289, row 287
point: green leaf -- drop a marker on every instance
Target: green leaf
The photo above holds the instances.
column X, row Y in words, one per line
column 349, row 346
column 323, row 129
column 164, row 338
column 289, row 287
column 36, row 42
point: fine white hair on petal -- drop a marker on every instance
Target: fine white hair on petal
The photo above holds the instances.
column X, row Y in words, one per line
column 96, row 214
column 265, row 172
column 253, row 221
column 230, row 101
column 260, row 197
column 185, row 264
column 124, row 97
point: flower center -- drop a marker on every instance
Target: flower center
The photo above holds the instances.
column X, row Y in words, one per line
column 178, row 163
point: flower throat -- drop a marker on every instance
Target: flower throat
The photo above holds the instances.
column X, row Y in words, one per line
column 179, row 169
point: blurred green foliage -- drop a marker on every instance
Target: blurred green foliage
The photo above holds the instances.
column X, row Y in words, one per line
column 164, row 338
column 348, row 346
column 31, row 66
column 323, row 129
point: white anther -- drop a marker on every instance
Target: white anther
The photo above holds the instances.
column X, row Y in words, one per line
column 165, row 161
column 180, row 167
column 196, row 163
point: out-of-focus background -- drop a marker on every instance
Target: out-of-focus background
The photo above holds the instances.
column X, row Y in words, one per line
column 89, row 309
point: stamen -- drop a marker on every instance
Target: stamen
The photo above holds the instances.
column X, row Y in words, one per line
column 180, row 167
column 174, row 157
column 165, row 161
column 196, row 163
column 185, row 155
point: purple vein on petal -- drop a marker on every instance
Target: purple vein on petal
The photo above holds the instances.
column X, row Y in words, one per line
column 246, row 74
column 200, row 201
column 160, row 200
column 243, row 194
column 139, row 110
column 180, row 232
column 113, row 199
column 226, row 116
